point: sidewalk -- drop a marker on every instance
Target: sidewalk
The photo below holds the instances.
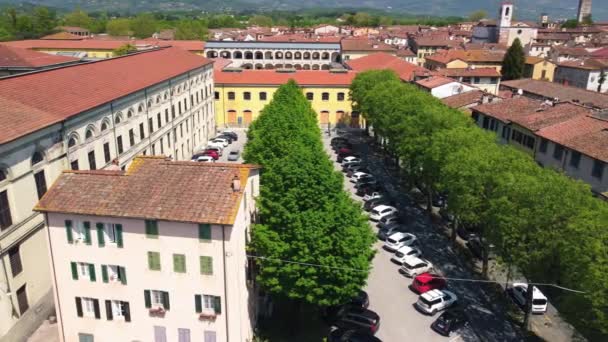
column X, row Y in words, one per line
column 45, row 333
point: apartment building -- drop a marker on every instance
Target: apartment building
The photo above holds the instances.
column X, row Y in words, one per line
column 84, row 117
column 153, row 253
column 486, row 79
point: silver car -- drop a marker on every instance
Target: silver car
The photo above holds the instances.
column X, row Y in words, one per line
column 234, row 155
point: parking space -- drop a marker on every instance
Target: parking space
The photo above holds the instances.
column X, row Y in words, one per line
column 236, row 146
column 388, row 290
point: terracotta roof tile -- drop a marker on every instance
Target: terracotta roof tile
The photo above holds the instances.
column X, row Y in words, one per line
column 585, row 134
column 63, row 36
column 272, row 77
column 470, row 56
column 68, row 91
column 377, row 61
column 16, row 57
column 467, row 72
column 99, row 44
column 510, row 109
column 463, row 99
column 365, row 45
column 152, row 188
column 434, row 82
column 551, row 90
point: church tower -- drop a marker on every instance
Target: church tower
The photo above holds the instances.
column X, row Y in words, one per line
column 504, row 19
column 584, row 10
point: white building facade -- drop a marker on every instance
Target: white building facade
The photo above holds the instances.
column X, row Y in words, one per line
column 170, row 115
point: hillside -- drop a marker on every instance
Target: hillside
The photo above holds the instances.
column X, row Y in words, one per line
column 525, row 9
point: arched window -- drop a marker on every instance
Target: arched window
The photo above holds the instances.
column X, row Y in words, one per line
column 130, row 113
column 149, row 103
column 104, row 126
column 37, row 157
column 166, row 96
column 118, row 118
column 158, row 99
column 140, row 108
column 89, row 134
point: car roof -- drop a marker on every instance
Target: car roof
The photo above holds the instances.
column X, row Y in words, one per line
column 434, row 294
column 426, row 277
column 398, row 235
column 381, row 207
column 412, row 260
column 536, row 293
column 405, row 249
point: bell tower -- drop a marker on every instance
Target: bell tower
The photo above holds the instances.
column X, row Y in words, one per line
column 506, row 14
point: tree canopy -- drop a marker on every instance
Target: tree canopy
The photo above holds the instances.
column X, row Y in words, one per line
column 305, row 214
column 514, row 62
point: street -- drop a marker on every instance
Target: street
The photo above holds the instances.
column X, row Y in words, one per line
column 388, row 290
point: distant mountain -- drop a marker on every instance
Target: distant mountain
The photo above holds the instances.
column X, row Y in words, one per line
column 525, row 9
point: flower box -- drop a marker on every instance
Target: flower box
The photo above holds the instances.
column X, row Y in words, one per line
column 207, row 316
column 157, row 312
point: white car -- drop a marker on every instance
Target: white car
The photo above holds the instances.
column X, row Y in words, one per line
column 216, row 145
column 381, row 211
column 398, row 240
column 405, row 252
column 359, row 175
column 206, row 159
column 435, row 300
column 349, row 159
column 414, row 266
column 221, row 141
column 539, row 301
column 373, row 196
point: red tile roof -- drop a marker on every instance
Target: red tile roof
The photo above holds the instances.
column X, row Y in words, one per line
column 152, row 188
column 96, row 44
column 585, row 134
column 380, row 60
column 65, row 92
column 551, row 90
column 434, row 82
column 463, row 99
column 13, row 57
column 63, row 35
column 272, row 77
column 601, row 53
column 301, row 38
column 507, row 110
column 361, row 44
column 470, row 56
column 467, row 72
column 587, row 64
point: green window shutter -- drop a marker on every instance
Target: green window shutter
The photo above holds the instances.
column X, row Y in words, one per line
column 147, row 298
column 119, row 235
column 152, row 229
column 109, row 310
column 198, row 303
column 154, row 261
column 68, row 230
column 87, row 232
column 166, row 304
column 74, row 270
column 123, row 275
column 92, row 272
column 79, row 306
column 217, row 305
column 179, row 263
column 204, row 232
column 104, row 273
column 206, row 265
column 100, row 234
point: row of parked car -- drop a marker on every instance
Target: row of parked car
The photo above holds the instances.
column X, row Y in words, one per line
column 215, row 148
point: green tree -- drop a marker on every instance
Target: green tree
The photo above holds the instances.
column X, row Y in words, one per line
column 362, row 19
column 78, row 18
column 361, row 87
column 587, row 20
column 601, row 80
column 44, row 21
column 514, row 62
column 124, row 50
column 260, row 20
column 191, row 30
column 144, row 25
column 119, row 27
column 478, row 15
column 570, row 24
column 306, row 216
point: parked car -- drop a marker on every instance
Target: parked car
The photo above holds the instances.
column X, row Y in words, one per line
column 341, row 335
column 234, row 155
column 386, row 231
column 360, row 300
column 373, row 195
column 393, row 218
column 227, row 137
column 399, row 239
column 358, row 319
column 426, row 282
column 405, row 252
column 477, row 248
column 349, row 166
column 435, row 300
column 414, row 266
column 216, row 149
column 369, row 205
column 204, row 159
column 360, row 176
column 221, row 141
column 380, row 211
column 363, row 189
column 519, row 292
column 346, row 163
column 342, row 144
column 449, row 321
column 357, row 168
column 232, row 134
column 338, row 140
column 349, row 159
column 217, row 145
column 344, row 152
column 212, row 153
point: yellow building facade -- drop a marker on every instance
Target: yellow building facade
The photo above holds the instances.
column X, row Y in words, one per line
column 539, row 69
column 240, row 98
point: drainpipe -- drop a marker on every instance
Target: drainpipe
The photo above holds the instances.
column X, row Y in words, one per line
column 225, row 282
column 58, row 311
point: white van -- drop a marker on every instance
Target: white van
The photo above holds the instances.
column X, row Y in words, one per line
column 539, row 301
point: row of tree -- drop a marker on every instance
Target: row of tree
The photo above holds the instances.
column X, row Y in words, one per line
column 540, row 221
column 313, row 243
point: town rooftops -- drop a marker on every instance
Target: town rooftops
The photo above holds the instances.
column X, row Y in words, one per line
column 551, row 90
column 301, row 38
column 463, row 99
column 467, row 72
column 270, row 45
column 63, row 36
column 378, row 61
column 586, row 64
column 470, row 56
column 100, row 44
column 12, row 57
column 32, row 101
column 152, row 188
column 534, row 60
column 435, row 81
column 360, row 44
column 278, row 77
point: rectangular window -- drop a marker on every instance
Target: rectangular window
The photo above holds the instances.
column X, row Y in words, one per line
column 310, row 96
column 179, row 263
column 15, row 261
column 543, row 145
column 162, row 147
column 558, row 151
column 151, row 229
column 119, row 144
column 172, row 111
column 212, row 303
column 263, row 96
column 131, row 137
column 92, row 165
column 217, row 95
column 110, row 232
column 476, row 80
column 106, row 152
column 575, row 159
column 181, row 130
column 183, row 335
column 150, row 125
column 40, row 183
column 166, row 115
column 114, row 273
column 206, row 265
column 204, row 232
column 247, row 96
column 119, row 309
column 325, row 96
column 88, row 307
column 486, row 122
column 82, row 337
column 158, row 120
column 154, row 261
column 179, row 108
column 160, row 334
column 340, row 96
column 210, row 336
column 6, row 219
column 156, row 299
column 142, row 133
column 74, row 164
column 598, row 169
column 22, row 300
column 231, row 95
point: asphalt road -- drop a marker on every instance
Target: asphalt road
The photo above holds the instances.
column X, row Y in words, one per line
column 389, row 294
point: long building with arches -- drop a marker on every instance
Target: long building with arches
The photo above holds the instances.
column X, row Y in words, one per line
column 276, row 55
column 85, row 117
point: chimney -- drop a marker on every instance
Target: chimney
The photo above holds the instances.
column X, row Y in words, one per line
column 236, row 184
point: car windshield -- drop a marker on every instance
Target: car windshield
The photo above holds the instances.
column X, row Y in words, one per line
column 375, row 212
column 391, row 240
column 234, row 153
column 429, row 302
column 539, row 301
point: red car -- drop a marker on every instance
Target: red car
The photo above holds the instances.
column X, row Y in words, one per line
column 212, row 154
column 427, row 281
